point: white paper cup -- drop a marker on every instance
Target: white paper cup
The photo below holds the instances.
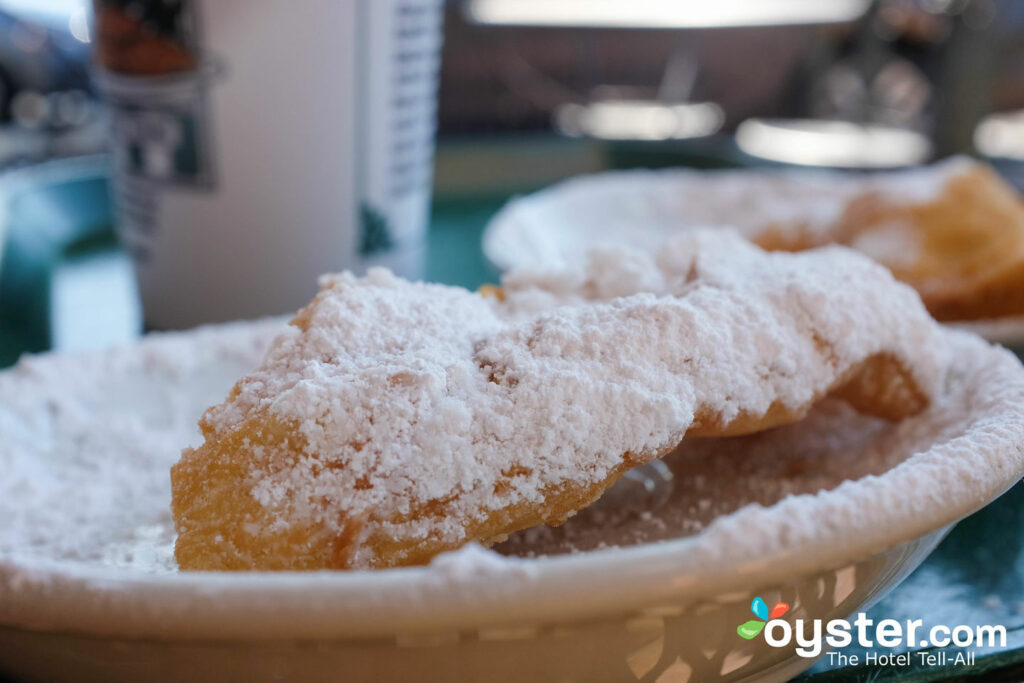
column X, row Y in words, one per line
column 299, row 142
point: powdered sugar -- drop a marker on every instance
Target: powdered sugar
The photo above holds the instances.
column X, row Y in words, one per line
column 423, row 392
column 645, row 208
column 88, row 439
column 473, row 560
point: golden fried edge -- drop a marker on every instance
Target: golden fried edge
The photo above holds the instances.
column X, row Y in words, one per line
column 221, row 526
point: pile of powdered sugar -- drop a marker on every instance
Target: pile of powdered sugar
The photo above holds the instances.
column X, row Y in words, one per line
column 88, row 439
column 643, row 208
column 427, row 392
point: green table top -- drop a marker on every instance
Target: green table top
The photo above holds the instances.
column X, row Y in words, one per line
column 976, row 576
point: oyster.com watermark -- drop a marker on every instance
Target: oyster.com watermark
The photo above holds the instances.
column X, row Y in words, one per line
column 810, row 638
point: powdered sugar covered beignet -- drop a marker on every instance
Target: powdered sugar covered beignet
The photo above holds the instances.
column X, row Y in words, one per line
column 393, row 420
column 953, row 230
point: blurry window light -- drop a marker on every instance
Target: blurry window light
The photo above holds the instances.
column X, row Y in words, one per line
column 1001, row 135
column 664, row 13
column 78, row 25
column 837, row 144
column 903, row 88
column 69, row 108
column 30, row 108
column 639, row 120
column 55, row 13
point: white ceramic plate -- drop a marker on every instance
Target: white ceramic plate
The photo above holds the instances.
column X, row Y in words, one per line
column 88, row 590
column 643, row 208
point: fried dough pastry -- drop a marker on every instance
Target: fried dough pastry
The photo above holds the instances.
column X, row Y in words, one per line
column 392, row 420
column 954, row 232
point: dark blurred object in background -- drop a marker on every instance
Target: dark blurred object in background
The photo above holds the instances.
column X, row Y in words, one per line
column 47, row 108
column 145, row 38
column 936, row 68
column 500, row 78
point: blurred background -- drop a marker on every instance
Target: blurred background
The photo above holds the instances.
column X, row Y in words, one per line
column 530, row 92
column 618, row 74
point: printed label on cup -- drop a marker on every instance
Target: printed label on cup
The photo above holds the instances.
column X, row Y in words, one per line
column 260, row 143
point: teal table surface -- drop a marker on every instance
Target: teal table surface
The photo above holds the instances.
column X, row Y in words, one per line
column 976, row 576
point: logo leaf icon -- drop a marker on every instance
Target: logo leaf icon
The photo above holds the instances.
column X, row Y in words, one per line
column 750, row 629
column 759, row 608
column 779, row 609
